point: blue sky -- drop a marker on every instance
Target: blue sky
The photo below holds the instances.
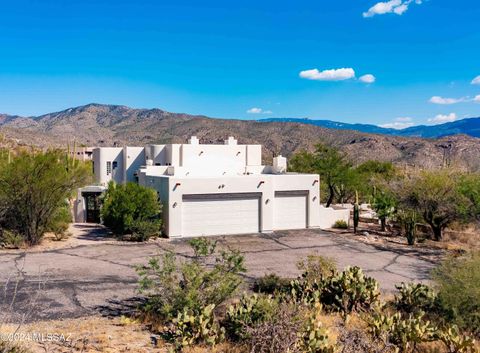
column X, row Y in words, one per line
column 223, row 58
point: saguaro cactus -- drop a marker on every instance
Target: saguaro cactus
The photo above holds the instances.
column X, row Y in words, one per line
column 356, row 213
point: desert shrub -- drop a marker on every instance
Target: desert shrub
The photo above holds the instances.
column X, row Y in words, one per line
column 60, row 221
column 9, row 347
column 33, row 190
column 314, row 338
column 415, row 297
column 271, row 284
column 11, row 239
column 172, row 286
column 340, row 224
column 458, row 286
column 278, row 334
column 190, row 328
column 248, row 313
column 350, row 291
column 131, row 209
column 316, row 268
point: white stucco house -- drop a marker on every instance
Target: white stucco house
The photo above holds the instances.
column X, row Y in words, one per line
column 209, row 189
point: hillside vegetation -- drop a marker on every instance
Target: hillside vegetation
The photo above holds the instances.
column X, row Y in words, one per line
column 108, row 125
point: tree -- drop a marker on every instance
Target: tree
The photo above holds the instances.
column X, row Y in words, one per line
column 435, row 196
column 34, row 187
column 131, row 209
column 384, row 204
column 469, row 186
column 329, row 163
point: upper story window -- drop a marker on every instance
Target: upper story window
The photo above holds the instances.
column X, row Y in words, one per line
column 114, row 165
column 109, row 168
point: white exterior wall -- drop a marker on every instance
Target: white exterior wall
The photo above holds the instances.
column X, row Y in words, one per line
column 328, row 216
column 172, row 190
column 231, row 170
column 134, row 158
column 100, row 158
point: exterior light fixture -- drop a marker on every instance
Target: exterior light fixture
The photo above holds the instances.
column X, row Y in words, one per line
column 267, row 201
column 174, row 205
column 314, row 198
column 315, row 181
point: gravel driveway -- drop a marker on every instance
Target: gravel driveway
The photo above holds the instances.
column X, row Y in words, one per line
column 96, row 274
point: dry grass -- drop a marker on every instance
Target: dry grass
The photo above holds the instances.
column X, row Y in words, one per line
column 89, row 335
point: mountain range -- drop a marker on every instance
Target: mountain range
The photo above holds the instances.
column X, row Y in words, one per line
column 470, row 126
column 116, row 125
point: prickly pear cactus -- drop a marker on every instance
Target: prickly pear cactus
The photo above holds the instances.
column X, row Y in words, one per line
column 193, row 328
column 315, row 337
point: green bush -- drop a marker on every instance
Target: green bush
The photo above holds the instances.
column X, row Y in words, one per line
column 131, row 209
column 248, row 313
column 271, row 284
column 340, row 224
column 316, row 268
column 11, row 239
column 457, row 281
column 415, row 297
column 172, row 286
column 60, row 222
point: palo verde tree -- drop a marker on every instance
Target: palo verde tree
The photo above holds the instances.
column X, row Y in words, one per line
column 332, row 166
column 34, row 188
column 436, row 197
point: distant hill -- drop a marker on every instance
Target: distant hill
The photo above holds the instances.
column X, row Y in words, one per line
column 469, row 127
column 109, row 125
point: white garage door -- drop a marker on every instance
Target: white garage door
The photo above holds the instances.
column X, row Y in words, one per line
column 220, row 214
column 290, row 210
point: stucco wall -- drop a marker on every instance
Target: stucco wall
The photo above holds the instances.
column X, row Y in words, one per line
column 100, row 158
column 172, row 189
column 328, row 216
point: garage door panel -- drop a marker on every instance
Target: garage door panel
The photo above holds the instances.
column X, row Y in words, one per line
column 220, row 215
column 290, row 211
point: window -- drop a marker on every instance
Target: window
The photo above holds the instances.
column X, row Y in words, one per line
column 114, row 165
column 109, row 168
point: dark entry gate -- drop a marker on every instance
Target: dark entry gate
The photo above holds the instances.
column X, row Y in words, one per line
column 92, row 206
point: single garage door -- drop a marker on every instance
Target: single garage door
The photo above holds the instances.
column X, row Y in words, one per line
column 290, row 210
column 219, row 214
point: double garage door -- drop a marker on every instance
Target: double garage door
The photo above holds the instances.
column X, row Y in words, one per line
column 239, row 213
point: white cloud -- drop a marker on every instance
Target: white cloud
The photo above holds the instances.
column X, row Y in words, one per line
column 477, row 99
column 399, row 123
column 442, row 118
column 398, row 7
column 368, row 78
column 255, row 110
column 476, row 80
column 328, row 75
column 441, row 100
